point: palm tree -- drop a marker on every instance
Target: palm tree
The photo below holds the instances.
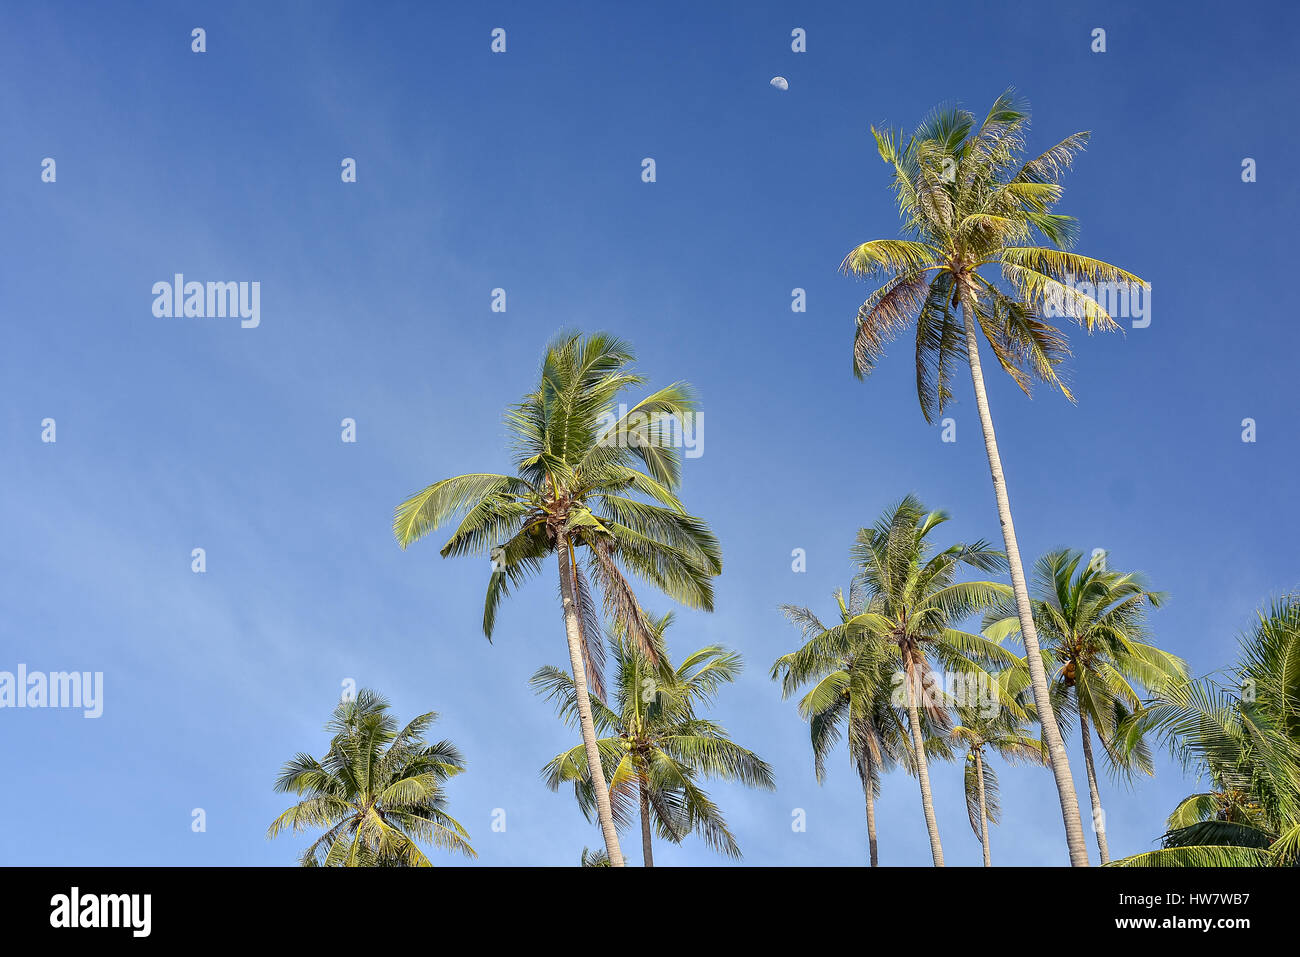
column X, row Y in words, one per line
column 1244, row 735
column 998, row 728
column 1092, row 638
column 377, row 792
column 656, row 746
column 912, row 600
column 969, row 203
column 594, row 858
column 587, row 480
column 853, row 689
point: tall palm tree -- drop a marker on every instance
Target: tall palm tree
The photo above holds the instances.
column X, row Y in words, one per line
column 655, row 745
column 1242, row 733
column 377, row 792
column 1092, row 634
column 970, row 204
column 1000, row 730
column 587, row 480
column 913, row 601
column 853, row 689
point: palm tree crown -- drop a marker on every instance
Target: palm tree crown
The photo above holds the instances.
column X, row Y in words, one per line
column 1243, row 734
column 913, row 598
column 656, row 746
column 585, row 479
column 377, row 792
column 970, row 202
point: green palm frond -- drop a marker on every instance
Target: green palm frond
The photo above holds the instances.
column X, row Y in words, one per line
column 1206, row 856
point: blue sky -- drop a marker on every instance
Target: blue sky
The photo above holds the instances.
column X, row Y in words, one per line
column 522, row 171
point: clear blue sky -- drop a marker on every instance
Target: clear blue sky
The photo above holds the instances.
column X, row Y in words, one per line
column 522, row 171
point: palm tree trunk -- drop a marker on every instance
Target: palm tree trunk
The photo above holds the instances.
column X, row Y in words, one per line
column 1098, row 818
column 573, row 633
column 871, row 827
column 1074, row 837
column 647, row 853
column 864, row 772
column 922, row 769
column 984, row 814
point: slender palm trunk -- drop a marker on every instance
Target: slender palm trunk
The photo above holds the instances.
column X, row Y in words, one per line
column 1098, row 817
column 573, row 633
column 864, row 772
column 1074, row 837
column 922, row 768
column 984, row 814
column 871, row 827
column 647, row 853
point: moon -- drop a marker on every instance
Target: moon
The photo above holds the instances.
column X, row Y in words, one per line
column 780, row 83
